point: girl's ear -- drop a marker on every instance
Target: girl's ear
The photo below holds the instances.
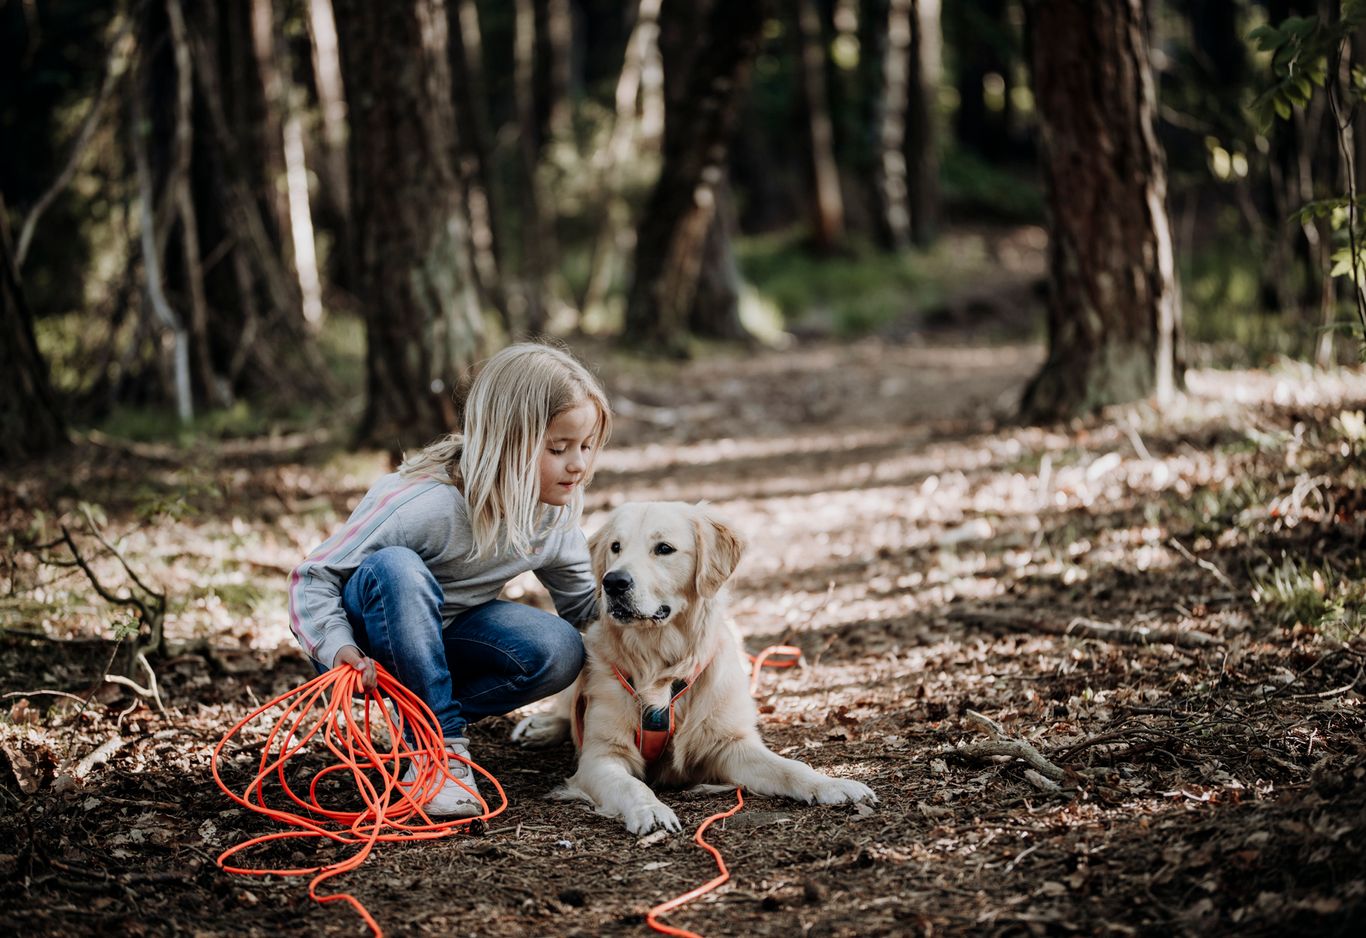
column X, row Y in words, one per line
column 597, row 548
column 718, row 553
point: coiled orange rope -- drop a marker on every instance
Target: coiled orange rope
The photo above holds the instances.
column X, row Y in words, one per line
column 393, row 809
column 393, row 812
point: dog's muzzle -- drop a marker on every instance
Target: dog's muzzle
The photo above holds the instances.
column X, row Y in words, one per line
column 617, row 585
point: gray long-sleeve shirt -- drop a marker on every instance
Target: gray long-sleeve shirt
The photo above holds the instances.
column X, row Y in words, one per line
column 432, row 519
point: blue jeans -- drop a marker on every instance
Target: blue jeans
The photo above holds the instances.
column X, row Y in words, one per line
column 489, row 660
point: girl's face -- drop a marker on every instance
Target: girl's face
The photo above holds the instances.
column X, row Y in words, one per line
column 569, row 443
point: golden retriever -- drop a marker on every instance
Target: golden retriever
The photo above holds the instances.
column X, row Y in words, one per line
column 661, row 653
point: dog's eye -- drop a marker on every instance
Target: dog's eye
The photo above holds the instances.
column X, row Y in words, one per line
column 664, row 548
column 616, row 547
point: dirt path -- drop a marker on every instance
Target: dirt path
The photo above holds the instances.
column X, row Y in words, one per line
column 929, row 558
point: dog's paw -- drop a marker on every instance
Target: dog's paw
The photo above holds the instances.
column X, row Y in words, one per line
column 644, row 818
column 841, row 791
column 541, row 731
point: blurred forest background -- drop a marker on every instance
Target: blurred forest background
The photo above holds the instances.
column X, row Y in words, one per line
column 1021, row 338
column 243, row 213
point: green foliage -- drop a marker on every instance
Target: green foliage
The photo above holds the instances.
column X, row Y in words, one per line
column 1300, row 592
column 848, row 295
column 1300, row 48
column 1307, row 53
column 125, row 629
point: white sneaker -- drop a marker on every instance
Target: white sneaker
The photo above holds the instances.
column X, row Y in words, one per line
column 451, row 800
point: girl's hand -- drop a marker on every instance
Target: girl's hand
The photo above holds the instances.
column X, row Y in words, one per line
column 356, row 658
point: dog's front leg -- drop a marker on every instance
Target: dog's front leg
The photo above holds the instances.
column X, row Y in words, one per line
column 607, row 781
column 750, row 764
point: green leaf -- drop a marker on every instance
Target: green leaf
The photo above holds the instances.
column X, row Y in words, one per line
column 1267, row 37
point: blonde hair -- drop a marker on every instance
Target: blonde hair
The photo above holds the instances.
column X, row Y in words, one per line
column 496, row 460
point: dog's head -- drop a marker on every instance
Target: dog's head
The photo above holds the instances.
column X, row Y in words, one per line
column 654, row 559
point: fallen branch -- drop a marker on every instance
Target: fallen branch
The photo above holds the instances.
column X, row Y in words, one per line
column 1088, row 628
column 1138, row 634
column 1041, row 782
column 1001, row 745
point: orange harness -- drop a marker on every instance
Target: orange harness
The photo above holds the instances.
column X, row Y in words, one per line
column 656, row 727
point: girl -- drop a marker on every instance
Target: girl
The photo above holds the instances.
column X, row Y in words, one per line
column 412, row 579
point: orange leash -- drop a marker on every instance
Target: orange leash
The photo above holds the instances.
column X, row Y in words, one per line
column 651, row 917
column 791, row 656
column 393, row 810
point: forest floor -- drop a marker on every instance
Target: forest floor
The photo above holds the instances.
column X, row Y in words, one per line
column 1165, row 606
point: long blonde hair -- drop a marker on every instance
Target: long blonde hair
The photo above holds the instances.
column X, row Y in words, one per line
column 496, row 460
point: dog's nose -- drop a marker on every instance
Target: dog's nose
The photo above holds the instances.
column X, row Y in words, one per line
column 617, row 582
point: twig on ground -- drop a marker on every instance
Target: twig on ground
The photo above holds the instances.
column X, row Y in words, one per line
column 42, row 692
column 1202, row 563
column 150, row 691
column 99, row 756
column 1136, row 441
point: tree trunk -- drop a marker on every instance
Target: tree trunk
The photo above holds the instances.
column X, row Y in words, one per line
column 827, row 226
column 322, row 34
column 537, row 233
column 671, row 241
column 287, row 173
column 1113, row 304
column 715, row 310
column 414, row 275
column 476, row 148
column 894, row 210
column 922, row 120
column 554, row 53
column 29, row 422
column 259, row 339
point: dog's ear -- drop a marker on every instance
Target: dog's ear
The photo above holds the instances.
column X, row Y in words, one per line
column 597, row 548
column 718, row 552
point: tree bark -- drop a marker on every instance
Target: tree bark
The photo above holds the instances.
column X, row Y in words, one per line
column 922, row 120
column 712, row 73
column 30, row 423
column 322, row 34
column 285, row 156
column 715, row 311
column 828, row 202
column 894, row 209
column 1113, row 305
column 537, row 232
column 476, row 149
column 414, row 275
